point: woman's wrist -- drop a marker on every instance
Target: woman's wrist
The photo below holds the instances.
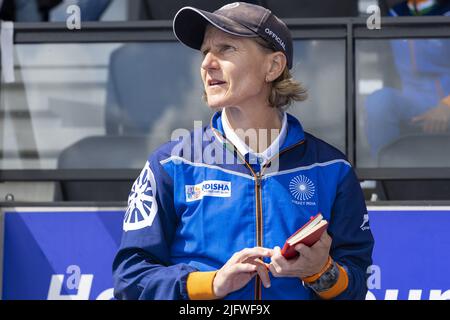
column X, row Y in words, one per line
column 326, row 280
column 219, row 294
column 317, row 275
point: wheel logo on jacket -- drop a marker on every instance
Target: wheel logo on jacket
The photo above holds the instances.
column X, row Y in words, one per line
column 142, row 206
column 302, row 188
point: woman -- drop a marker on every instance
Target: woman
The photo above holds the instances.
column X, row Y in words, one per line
column 208, row 225
column 421, row 104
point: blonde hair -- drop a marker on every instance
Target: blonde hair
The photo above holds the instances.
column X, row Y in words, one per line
column 284, row 89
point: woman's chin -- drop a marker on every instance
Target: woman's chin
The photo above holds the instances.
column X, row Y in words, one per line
column 216, row 103
column 215, row 108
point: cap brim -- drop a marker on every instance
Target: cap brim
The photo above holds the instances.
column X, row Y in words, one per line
column 190, row 23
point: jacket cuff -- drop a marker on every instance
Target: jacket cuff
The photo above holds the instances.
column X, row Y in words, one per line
column 339, row 287
column 199, row 285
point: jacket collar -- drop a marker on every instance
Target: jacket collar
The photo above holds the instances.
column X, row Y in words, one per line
column 244, row 149
column 294, row 135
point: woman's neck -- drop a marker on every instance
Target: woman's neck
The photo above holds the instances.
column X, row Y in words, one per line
column 258, row 128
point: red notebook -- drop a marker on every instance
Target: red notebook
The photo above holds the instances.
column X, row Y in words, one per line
column 308, row 234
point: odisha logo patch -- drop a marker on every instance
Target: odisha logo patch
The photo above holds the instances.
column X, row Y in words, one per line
column 302, row 188
column 208, row 188
column 142, row 206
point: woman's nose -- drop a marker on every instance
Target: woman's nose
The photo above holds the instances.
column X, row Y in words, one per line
column 209, row 61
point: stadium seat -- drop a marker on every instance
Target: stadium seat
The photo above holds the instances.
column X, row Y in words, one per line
column 102, row 152
column 416, row 151
column 139, row 93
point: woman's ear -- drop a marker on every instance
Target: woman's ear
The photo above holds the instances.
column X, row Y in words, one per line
column 277, row 63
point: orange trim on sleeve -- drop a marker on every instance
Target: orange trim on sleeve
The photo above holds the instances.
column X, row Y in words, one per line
column 339, row 286
column 199, row 285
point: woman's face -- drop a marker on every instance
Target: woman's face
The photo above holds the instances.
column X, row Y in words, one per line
column 233, row 70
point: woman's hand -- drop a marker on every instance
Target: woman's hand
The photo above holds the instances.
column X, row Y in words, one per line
column 240, row 269
column 310, row 261
column 435, row 120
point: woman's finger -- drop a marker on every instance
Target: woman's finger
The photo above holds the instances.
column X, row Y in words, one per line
column 243, row 267
column 326, row 239
column 277, row 263
column 263, row 275
column 304, row 251
column 275, row 270
column 278, row 257
column 250, row 253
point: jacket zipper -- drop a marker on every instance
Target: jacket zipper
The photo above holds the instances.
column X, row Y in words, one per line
column 258, row 178
column 259, row 221
column 258, row 228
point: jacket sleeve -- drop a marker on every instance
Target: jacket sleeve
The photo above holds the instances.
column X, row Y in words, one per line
column 142, row 267
column 353, row 242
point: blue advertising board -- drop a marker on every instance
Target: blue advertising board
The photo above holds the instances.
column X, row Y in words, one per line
column 60, row 254
column 411, row 254
column 67, row 253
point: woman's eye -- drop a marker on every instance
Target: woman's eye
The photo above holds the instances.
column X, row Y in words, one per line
column 227, row 48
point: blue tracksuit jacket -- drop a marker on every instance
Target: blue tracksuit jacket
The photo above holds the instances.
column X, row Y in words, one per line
column 188, row 213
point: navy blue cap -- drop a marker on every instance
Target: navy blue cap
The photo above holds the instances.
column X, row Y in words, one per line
column 238, row 18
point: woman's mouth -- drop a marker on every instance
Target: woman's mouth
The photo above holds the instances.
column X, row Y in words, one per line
column 214, row 82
